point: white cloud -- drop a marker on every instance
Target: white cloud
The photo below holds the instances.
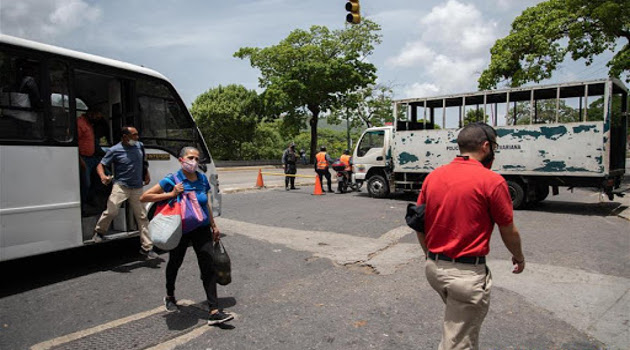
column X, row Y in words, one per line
column 42, row 20
column 455, row 74
column 421, row 89
column 452, row 49
column 413, row 54
column 456, row 26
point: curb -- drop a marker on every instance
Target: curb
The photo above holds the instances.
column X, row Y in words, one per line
column 248, row 168
column 253, row 188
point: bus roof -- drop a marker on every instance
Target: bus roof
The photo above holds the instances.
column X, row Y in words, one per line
column 19, row 42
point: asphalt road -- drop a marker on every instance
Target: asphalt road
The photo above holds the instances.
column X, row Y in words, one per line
column 334, row 272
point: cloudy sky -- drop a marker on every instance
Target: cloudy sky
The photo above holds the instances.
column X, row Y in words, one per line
column 430, row 47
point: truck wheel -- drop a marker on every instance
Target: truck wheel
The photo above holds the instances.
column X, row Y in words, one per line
column 517, row 193
column 377, row 186
column 542, row 191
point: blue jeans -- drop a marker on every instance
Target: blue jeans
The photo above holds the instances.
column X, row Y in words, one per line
column 90, row 165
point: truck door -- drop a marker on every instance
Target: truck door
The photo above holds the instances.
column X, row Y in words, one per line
column 370, row 153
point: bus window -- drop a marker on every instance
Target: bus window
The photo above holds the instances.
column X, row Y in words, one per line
column 21, row 105
column 60, row 111
column 164, row 121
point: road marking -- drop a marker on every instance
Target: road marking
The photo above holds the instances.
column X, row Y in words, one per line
column 596, row 304
column 185, row 338
column 86, row 332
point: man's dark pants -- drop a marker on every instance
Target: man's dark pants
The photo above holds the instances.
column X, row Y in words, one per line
column 290, row 169
column 326, row 173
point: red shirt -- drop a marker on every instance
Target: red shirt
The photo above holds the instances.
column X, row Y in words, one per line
column 86, row 136
column 463, row 201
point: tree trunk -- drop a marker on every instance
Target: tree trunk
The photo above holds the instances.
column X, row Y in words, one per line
column 313, row 123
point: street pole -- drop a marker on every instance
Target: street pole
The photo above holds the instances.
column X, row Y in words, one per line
column 348, row 130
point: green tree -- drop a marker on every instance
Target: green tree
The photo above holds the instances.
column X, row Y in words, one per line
column 596, row 110
column 365, row 107
column 307, row 72
column 544, row 34
column 475, row 115
column 267, row 142
column 545, row 113
column 227, row 117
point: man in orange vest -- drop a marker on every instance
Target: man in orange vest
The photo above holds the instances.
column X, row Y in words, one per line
column 322, row 162
column 346, row 159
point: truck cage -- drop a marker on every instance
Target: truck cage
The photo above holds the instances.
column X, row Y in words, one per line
column 499, row 109
column 532, row 94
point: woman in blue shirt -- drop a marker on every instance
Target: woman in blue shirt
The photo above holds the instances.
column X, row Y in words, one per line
column 203, row 234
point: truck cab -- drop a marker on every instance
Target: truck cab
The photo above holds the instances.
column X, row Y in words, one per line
column 372, row 160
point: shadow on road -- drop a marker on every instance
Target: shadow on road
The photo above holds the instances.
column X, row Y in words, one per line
column 33, row 272
column 577, row 208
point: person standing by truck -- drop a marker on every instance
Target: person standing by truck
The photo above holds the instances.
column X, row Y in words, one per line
column 322, row 163
column 289, row 160
column 463, row 200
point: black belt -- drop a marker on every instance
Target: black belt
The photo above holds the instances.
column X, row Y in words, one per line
column 464, row 259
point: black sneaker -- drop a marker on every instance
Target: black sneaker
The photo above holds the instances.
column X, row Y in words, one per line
column 149, row 254
column 97, row 238
column 170, row 304
column 219, row 317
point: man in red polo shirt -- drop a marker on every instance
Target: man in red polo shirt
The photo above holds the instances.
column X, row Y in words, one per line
column 464, row 200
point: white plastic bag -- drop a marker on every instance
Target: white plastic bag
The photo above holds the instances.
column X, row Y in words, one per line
column 165, row 229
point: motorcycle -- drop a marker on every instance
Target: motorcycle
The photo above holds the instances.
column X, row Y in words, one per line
column 345, row 180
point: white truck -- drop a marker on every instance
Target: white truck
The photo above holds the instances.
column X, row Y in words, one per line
column 544, row 142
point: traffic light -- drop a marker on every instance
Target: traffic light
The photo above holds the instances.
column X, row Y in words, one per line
column 353, row 16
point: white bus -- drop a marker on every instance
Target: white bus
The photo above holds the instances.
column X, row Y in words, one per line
column 43, row 90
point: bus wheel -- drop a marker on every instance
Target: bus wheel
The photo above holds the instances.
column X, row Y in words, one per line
column 378, row 187
column 516, row 193
column 542, row 191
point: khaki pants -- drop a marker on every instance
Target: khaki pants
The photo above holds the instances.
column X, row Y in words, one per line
column 465, row 290
column 116, row 198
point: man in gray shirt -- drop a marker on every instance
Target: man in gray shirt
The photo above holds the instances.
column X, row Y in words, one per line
column 128, row 159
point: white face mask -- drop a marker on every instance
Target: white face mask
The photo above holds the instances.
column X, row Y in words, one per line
column 190, row 166
column 132, row 142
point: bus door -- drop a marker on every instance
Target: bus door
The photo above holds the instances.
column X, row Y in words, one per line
column 100, row 99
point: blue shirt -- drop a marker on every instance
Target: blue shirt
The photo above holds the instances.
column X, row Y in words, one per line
column 201, row 188
column 127, row 162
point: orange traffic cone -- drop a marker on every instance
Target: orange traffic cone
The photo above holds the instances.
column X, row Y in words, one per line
column 259, row 181
column 317, row 191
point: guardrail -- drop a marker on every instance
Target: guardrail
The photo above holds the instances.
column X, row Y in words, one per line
column 235, row 163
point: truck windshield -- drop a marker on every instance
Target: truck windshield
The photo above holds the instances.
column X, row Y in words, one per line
column 371, row 139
